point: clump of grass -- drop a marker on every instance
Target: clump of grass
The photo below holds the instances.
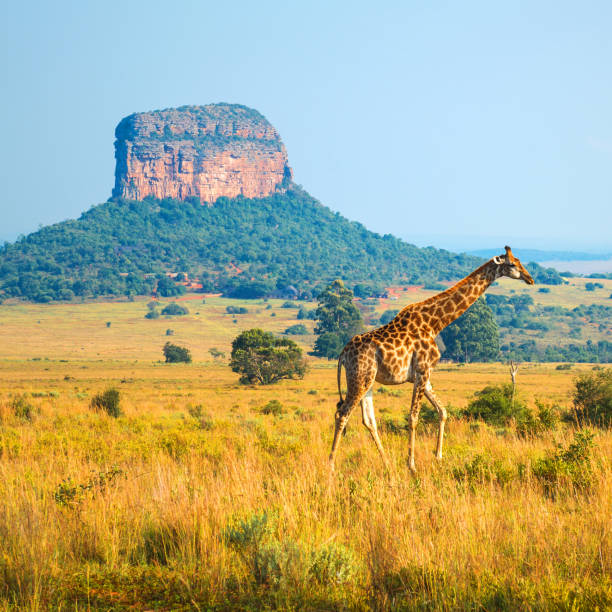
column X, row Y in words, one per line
column 205, row 421
column 390, row 392
column 69, row 494
column 568, row 468
column 482, row 469
column 273, row 407
column 22, row 409
column 108, row 401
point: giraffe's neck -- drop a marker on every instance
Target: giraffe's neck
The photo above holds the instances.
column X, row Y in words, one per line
column 444, row 308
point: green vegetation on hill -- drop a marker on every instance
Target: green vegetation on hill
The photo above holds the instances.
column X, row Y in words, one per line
column 242, row 247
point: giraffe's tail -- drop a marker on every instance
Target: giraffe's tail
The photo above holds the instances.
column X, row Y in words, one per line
column 340, row 364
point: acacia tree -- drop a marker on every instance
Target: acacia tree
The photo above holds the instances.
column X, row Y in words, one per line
column 338, row 320
column 261, row 357
column 473, row 336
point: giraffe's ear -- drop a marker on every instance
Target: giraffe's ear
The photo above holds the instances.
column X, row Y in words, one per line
column 498, row 260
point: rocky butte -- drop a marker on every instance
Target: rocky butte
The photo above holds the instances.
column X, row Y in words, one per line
column 199, row 151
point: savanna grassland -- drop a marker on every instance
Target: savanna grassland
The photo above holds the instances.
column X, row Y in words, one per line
column 206, row 494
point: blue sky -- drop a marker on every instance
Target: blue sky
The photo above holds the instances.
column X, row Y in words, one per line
column 459, row 124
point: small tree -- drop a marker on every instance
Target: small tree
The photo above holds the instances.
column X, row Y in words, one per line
column 174, row 309
column 261, row 357
column 339, row 320
column 176, row 354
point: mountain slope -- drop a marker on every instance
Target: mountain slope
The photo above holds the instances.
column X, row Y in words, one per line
column 239, row 246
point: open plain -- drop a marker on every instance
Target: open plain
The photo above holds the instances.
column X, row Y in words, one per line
column 208, row 494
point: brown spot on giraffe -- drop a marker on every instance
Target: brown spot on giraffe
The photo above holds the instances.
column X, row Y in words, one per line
column 405, row 350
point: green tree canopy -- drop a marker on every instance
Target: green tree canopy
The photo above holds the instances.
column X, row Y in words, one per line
column 176, row 354
column 473, row 336
column 338, row 320
column 261, row 357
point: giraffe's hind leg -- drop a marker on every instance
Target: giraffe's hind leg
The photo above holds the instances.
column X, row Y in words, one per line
column 369, row 420
column 341, row 418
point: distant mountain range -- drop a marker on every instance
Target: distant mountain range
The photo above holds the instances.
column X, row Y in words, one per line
column 540, row 255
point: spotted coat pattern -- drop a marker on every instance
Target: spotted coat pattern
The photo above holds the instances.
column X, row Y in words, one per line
column 405, row 350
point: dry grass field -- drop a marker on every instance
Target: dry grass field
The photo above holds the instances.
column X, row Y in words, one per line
column 198, row 497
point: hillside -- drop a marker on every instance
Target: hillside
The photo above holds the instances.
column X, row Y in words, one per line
column 242, row 247
column 205, row 193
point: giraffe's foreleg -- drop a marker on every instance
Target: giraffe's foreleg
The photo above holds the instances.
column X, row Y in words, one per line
column 433, row 400
column 369, row 421
column 417, row 394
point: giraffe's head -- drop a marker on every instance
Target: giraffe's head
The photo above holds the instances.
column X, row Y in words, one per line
column 508, row 265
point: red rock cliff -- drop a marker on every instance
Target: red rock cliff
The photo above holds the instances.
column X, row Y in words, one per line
column 199, row 151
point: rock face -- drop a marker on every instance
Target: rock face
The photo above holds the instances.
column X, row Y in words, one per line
column 199, row 151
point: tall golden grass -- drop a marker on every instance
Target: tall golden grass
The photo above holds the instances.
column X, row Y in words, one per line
column 137, row 512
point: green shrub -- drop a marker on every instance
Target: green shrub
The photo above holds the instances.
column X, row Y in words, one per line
column 273, row 407
column 564, row 366
column 176, row 354
column 545, row 418
column 568, row 468
column 205, row 421
column 296, row 330
column 108, row 402
column 173, row 309
column 290, row 305
column 152, row 314
column 236, row 310
column 592, row 398
column 279, row 563
column 169, row 332
column 333, row 564
column 22, row 409
column 483, row 468
column 493, row 405
column 248, row 533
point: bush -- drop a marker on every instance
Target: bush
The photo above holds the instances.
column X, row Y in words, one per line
column 273, row 407
column 289, row 305
column 296, row 330
column 569, row 467
column 303, row 313
column 152, row 314
column 107, row 402
column 174, row 309
column 22, row 409
column 169, row 332
column 176, row 354
column 236, row 310
column 493, row 405
column 592, row 398
column 260, row 357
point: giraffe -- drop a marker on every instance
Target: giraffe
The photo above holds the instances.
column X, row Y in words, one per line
column 405, row 350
